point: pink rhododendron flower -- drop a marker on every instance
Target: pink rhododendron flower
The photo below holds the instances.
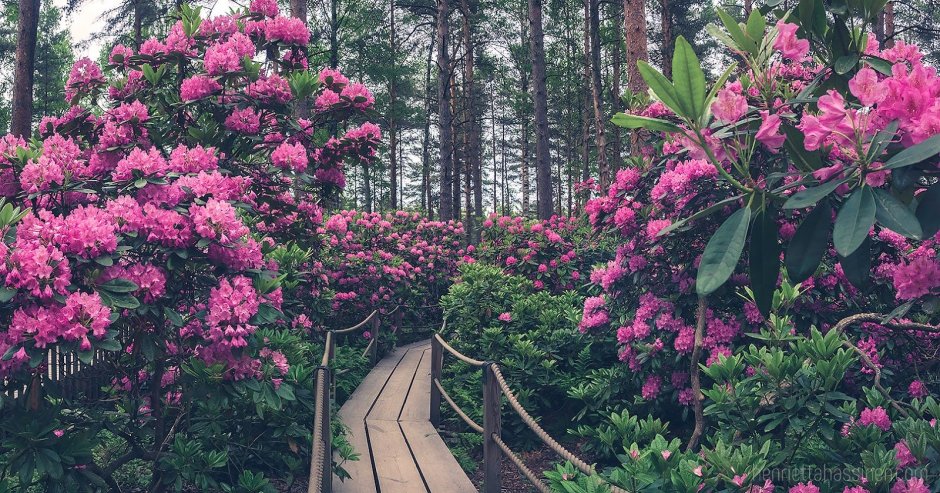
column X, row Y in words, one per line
column 875, row 417
column 290, row 157
column 919, row 277
column 789, row 45
column 769, row 131
column 505, row 317
column 804, row 488
column 198, row 87
column 866, row 87
column 913, row 485
column 730, row 105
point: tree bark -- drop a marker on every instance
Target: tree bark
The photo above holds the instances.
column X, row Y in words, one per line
column 392, row 99
column 456, row 129
column 889, row 25
column 446, row 206
column 334, row 33
column 524, row 119
column 668, row 45
column 543, row 164
column 586, row 106
column 21, row 121
column 634, row 12
column 600, row 124
column 426, row 140
column 617, row 158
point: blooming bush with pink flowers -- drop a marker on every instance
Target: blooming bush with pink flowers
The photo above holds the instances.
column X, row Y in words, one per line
column 798, row 191
column 146, row 235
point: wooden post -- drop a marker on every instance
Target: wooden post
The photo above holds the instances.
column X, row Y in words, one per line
column 492, row 482
column 437, row 357
column 327, row 433
column 376, row 328
column 331, row 352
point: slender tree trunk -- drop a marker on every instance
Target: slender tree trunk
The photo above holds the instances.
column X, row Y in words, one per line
column 668, row 45
column 586, row 105
column 748, row 6
column 21, row 121
column 446, row 206
column 597, row 92
column 524, row 169
column 426, row 140
column 334, row 33
column 138, row 25
column 617, row 158
column 457, row 128
column 543, row 162
column 889, row 25
column 503, row 183
column 634, row 12
column 392, row 100
column 493, row 142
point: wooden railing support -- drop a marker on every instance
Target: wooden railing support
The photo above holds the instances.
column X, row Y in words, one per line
column 376, row 328
column 492, row 455
column 437, row 360
column 326, row 435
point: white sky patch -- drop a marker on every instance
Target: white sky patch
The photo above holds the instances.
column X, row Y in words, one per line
column 88, row 29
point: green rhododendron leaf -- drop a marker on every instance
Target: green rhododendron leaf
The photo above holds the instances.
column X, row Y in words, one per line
column 855, row 219
column 857, row 265
column 896, row 216
column 661, row 86
column 722, row 252
column 688, row 79
column 928, row 210
column 916, row 154
column 764, row 258
column 810, row 196
column 634, row 121
column 809, row 244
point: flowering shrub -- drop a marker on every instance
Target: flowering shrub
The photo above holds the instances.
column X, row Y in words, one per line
column 395, row 262
column 554, row 254
column 136, row 240
column 802, row 169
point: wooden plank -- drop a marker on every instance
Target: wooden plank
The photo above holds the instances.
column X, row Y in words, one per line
column 394, row 465
column 389, row 403
column 441, row 471
column 418, row 402
column 353, row 414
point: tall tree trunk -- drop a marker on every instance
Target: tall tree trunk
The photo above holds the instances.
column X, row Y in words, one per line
column 524, row 117
column 748, row 6
column 426, row 140
column 138, row 25
column 456, row 129
column 366, row 187
column 543, row 164
column 298, row 9
column 668, row 45
column 392, row 99
column 634, row 12
column 334, row 33
column 586, row 106
column 617, row 158
column 472, row 135
column 493, row 143
column 889, row 25
column 600, row 122
column 446, row 206
column 21, row 121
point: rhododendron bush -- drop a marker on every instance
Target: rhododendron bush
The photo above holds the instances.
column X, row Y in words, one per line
column 398, row 263
column 151, row 212
column 798, row 190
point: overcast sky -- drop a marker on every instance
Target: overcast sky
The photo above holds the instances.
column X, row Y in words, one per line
column 86, row 23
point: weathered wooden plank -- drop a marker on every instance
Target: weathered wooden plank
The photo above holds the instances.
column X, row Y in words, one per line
column 389, row 403
column 441, row 471
column 394, row 465
column 418, row 402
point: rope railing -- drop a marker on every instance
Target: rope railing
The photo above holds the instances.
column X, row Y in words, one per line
column 321, row 453
column 495, row 386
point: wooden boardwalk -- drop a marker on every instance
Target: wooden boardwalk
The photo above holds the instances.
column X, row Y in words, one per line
column 389, row 426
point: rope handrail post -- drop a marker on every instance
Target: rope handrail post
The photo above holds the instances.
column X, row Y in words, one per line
column 327, row 432
column 492, row 480
column 376, row 329
column 437, row 363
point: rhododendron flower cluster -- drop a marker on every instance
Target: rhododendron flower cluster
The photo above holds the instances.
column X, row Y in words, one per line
column 145, row 220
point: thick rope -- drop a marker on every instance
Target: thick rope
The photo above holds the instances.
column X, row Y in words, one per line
column 317, row 456
column 539, row 432
column 466, row 419
column 357, row 326
column 539, row 485
column 466, row 359
column 368, row 347
column 325, row 361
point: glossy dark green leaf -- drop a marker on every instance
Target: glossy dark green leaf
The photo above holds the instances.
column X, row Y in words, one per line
column 854, row 221
column 119, row 286
column 846, row 63
column 737, row 34
column 635, row 121
column 756, row 24
column 698, row 215
column 688, row 79
column 857, row 265
column 764, row 259
column 809, row 244
column 810, row 196
column 915, row 154
column 928, row 210
column 661, row 86
column 896, row 216
column 722, row 252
